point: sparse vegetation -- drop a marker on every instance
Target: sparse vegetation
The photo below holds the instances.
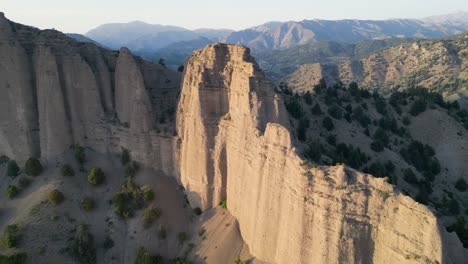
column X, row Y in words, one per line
column 11, row 236
column 66, row 170
column 148, row 194
column 33, row 167
column 83, row 248
column 327, row 123
column 144, row 257
column 182, row 236
column 197, row 211
column 422, row 158
column 80, row 155
column 55, row 197
column 418, row 107
column 88, row 204
column 108, row 243
column 12, row 168
column 11, row 191
column 96, row 176
column 223, row 204
column 459, row 228
column 161, row 231
column 461, row 185
column 314, row 151
column 294, row 108
column 150, row 216
column 16, row 258
column 24, row 182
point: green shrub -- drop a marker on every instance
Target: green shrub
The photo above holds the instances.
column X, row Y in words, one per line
column 11, row 191
column 197, row 211
column 294, row 108
column 11, row 236
column 461, row 185
column 410, row 177
column 161, row 232
column 406, row 121
column 454, row 207
column 322, row 85
column 377, row 146
column 96, row 176
column 314, row 151
column 182, row 236
column 459, row 228
column 350, row 155
column 327, row 122
column 148, row 194
column 223, row 204
column 108, row 243
column 16, row 258
column 80, row 155
column 144, row 257
column 380, row 105
column 418, row 107
column 381, row 135
column 125, row 158
column 335, row 111
column 422, row 158
column 33, row 167
column 316, row 110
column 12, row 168
column 238, row 260
column 66, row 170
column 24, row 182
column 150, row 216
column 88, row 204
column 308, row 98
column 55, row 197
column 83, row 248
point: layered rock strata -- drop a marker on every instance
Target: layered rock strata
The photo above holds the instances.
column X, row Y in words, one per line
column 235, row 145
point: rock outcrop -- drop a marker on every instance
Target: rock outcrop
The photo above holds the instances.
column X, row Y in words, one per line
column 221, row 83
column 235, row 145
column 59, row 92
column 232, row 141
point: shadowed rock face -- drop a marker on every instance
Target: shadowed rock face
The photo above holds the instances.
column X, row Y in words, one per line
column 235, row 144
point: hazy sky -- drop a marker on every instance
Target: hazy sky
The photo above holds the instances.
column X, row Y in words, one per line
column 81, row 15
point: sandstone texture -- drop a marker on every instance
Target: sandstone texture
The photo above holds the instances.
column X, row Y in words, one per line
column 288, row 212
column 58, row 92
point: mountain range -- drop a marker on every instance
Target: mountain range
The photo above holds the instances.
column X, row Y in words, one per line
column 148, row 40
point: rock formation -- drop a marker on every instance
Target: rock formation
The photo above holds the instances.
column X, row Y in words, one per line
column 59, row 92
column 235, row 144
column 232, row 141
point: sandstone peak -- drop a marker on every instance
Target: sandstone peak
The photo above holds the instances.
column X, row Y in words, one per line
column 125, row 51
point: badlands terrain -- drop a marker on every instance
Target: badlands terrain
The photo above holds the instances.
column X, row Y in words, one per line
column 108, row 158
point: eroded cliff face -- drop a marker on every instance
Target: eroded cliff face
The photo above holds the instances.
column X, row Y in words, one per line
column 57, row 92
column 221, row 83
column 232, row 142
column 235, row 144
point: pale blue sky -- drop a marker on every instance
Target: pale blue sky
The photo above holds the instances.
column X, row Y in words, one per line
column 81, row 15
